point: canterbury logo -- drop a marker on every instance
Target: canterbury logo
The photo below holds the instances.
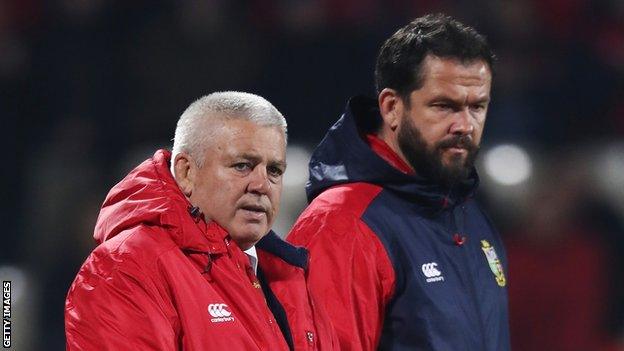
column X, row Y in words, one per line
column 220, row 312
column 430, row 270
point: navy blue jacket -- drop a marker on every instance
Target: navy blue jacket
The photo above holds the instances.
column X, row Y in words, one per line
column 400, row 262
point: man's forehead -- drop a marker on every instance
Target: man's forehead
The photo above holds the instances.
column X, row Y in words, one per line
column 247, row 139
column 472, row 72
column 235, row 128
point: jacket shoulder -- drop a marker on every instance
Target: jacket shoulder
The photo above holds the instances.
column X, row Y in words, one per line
column 120, row 279
column 352, row 198
column 336, row 214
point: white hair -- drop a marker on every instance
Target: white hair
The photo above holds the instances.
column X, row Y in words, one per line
column 196, row 125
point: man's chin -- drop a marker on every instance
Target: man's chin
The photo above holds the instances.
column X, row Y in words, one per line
column 452, row 168
column 454, row 157
column 249, row 234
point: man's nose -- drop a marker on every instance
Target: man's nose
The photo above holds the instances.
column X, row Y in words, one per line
column 259, row 181
column 462, row 123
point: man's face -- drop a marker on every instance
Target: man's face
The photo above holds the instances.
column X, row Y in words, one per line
column 440, row 131
column 240, row 184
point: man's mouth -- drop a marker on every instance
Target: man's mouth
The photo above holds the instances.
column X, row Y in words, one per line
column 457, row 148
column 254, row 208
column 457, row 144
column 253, row 212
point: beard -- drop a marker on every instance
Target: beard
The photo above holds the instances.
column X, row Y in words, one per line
column 427, row 160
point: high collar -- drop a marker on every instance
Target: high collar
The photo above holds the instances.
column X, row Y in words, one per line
column 150, row 195
column 274, row 245
column 384, row 150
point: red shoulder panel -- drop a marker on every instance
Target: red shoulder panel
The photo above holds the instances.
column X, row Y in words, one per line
column 350, row 270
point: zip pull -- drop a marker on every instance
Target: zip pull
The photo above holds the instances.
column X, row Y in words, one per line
column 208, row 268
column 195, row 213
column 445, row 202
column 459, row 239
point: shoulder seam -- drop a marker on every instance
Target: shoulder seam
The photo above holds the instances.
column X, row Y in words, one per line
column 341, row 189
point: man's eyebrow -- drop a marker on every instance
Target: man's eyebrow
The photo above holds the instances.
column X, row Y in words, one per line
column 248, row 156
column 256, row 159
column 445, row 99
column 448, row 100
column 278, row 163
column 483, row 100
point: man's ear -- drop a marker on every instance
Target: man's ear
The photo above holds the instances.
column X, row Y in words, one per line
column 184, row 172
column 391, row 107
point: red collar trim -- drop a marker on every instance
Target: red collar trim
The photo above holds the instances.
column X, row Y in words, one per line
column 384, row 151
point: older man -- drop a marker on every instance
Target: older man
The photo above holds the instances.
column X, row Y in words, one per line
column 170, row 272
column 404, row 257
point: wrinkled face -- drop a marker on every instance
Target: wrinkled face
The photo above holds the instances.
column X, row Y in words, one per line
column 240, row 183
column 440, row 131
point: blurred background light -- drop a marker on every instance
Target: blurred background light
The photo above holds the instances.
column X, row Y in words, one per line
column 611, row 167
column 293, row 191
column 297, row 157
column 508, row 164
column 19, row 283
column 608, row 173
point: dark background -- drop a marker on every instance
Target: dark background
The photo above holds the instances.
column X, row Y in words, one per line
column 90, row 88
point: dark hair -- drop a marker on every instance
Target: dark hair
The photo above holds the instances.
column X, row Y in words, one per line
column 401, row 56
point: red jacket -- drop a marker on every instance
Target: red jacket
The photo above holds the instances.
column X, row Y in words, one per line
column 162, row 279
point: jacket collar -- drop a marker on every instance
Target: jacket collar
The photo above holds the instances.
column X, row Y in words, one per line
column 293, row 255
column 382, row 149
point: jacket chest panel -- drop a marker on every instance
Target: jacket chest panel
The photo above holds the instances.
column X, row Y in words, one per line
column 221, row 301
column 447, row 287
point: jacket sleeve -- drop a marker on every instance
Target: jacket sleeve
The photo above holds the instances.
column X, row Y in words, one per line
column 350, row 273
column 117, row 310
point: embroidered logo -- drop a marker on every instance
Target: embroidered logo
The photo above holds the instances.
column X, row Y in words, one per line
column 430, row 270
column 220, row 312
column 494, row 262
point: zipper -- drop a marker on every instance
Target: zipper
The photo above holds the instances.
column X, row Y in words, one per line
column 459, row 229
column 309, row 334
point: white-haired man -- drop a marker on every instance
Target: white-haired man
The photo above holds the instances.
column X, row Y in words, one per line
column 170, row 272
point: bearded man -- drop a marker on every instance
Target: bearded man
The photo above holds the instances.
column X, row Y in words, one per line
column 401, row 254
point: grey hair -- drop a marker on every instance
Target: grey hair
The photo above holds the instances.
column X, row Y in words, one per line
column 196, row 124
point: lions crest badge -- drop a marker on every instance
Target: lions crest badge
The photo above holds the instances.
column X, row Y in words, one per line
column 494, row 262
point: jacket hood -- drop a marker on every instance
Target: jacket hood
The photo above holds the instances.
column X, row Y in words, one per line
column 149, row 195
column 344, row 157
